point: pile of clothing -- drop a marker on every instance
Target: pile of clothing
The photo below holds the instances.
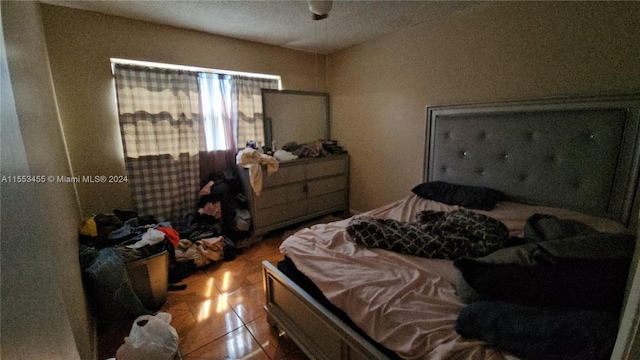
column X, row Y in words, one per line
column 222, row 200
column 200, row 244
column 308, row 150
column 108, row 242
column 133, row 237
column 222, row 219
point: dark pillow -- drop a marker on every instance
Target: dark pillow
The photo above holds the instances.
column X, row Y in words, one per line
column 539, row 333
column 472, row 197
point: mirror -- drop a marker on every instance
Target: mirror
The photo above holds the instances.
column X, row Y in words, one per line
column 299, row 116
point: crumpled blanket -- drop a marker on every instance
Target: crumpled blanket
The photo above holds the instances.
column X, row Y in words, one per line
column 438, row 235
column 253, row 160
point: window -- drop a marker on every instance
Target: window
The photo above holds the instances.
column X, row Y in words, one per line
column 178, row 123
column 231, row 103
column 215, row 96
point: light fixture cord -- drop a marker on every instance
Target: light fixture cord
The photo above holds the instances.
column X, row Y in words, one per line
column 315, row 35
column 326, row 54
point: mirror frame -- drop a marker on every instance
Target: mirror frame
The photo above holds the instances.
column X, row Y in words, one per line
column 268, row 135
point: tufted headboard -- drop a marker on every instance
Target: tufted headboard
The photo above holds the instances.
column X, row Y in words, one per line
column 580, row 154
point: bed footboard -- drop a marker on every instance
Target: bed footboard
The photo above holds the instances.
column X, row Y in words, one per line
column 318, row 332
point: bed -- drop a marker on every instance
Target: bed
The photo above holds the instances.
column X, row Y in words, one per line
column 575, row 160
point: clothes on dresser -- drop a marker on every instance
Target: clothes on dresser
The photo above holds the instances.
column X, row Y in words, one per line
column 253, row 160
column 284, row 155
column 308, row 150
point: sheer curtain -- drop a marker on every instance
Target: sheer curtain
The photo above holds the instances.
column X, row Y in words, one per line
column 159, row 115
column 219, row 123
column 232, row 104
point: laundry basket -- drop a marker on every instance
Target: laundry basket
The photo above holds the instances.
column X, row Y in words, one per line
column 149, row 278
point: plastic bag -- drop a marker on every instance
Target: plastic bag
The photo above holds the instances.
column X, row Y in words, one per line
column 151, row 338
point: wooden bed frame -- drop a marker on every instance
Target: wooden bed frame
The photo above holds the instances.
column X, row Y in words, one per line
column 580, row 154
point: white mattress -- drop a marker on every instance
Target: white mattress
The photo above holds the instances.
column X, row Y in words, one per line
column 406, row 303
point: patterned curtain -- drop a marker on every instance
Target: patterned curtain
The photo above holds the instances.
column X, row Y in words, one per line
column 247, row 92
column 159, row 114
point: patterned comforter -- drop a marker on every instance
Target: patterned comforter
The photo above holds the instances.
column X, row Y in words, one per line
column 440, row 235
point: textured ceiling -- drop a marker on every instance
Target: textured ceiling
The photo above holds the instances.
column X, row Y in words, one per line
column 287, row 24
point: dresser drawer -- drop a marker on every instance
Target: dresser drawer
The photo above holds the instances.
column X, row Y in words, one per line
column 328, row 185
column 299, row 190
column 280, row 195
column 327, row 201
column 279, row 213
column 285, row 175
column 326, row 168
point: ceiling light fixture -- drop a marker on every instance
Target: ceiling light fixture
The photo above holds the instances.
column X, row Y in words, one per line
column 320, row 8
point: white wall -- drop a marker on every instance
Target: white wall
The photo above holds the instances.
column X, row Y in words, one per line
column 492, row 52
column 44, row 313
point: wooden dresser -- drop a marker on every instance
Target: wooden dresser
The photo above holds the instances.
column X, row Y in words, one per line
column 301, row 189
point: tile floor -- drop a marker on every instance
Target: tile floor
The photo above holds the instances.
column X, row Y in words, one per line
column 220, row 314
